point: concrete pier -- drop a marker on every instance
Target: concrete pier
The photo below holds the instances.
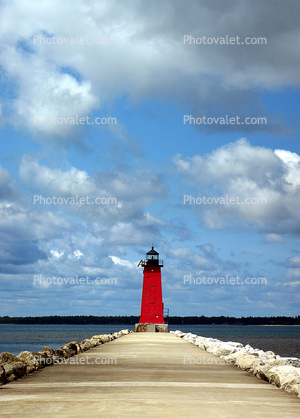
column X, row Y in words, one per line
column 145, row 375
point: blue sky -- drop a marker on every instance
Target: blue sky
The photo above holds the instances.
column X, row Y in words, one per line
column 147, row 159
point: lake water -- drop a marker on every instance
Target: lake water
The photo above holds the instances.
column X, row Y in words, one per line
column 283, row 340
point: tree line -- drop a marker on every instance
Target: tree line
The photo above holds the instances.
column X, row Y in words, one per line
column 131, row 320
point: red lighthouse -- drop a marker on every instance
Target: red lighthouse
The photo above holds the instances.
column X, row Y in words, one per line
column 152, row 310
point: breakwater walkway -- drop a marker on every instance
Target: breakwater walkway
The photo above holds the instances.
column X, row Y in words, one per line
column 145, row 375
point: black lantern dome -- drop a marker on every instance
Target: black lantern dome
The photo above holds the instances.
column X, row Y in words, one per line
column 152, row 257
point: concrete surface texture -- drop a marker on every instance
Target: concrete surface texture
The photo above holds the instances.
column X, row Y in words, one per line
column 145, row 375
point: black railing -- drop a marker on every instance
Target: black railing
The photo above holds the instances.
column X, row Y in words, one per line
column 166, row 312
column 151, row 262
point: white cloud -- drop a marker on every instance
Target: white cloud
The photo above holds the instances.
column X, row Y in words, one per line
column 128, row 233
column 94, row 271
column 185, row 254
column 56, row 253
column 149, row 56
column 291, row 161
column 128, row 192
column 292, row 272
column 263, row 183
column 78, row 254
column 7, row 189
column 294, row 262
column 23, row 223
column 292, row 284
column 69, row 182
column 273, row 238
column 125, row 263
column 207, row 248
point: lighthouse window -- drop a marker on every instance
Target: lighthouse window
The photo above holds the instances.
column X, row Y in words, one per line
column 151, row 287
column 152, row 270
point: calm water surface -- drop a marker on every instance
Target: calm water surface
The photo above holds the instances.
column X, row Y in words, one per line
column 284, row 341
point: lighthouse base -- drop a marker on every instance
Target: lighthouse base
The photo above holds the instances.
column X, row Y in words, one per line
column 151, row 327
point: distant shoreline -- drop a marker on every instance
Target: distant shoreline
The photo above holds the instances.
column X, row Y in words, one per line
column 173, row 320
column 195, row 325
column 278, row 325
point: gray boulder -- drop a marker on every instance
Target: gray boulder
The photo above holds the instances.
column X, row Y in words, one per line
column 63, row 353
column 3, row 379
column 86, row 345
column 15, row 370
column 30, row 360
column 49, row 351
column 73, row 345
column 6, row 357
column 246, row 362
column 286, row 377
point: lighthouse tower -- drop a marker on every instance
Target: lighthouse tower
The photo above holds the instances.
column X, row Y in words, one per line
column 152, row 309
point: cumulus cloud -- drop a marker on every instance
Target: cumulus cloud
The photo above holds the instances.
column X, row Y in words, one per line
column 148, row 57
column 125, row 263
column 262, row 182
column 70, row 182
column 207, row 248
column 269, row 238
column 292, row 272
column 294, row 262
column 21, row 223
column 111, row 195
column 186, row 254
column 7, row 188
column 293, row 284
column 22, row 231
